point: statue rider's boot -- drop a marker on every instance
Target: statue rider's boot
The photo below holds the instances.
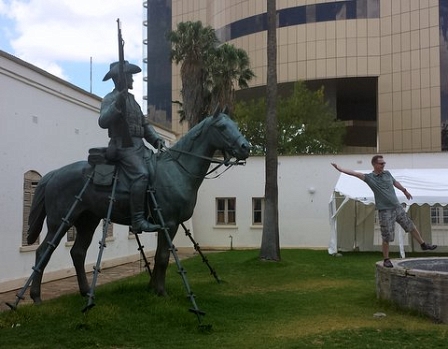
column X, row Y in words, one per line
column 139, row 222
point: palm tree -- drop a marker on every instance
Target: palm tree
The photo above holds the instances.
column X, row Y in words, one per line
column 270, row 244
column 192, row 44
column 229, row 66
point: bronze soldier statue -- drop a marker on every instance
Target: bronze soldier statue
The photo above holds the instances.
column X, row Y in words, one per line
column 122, row 116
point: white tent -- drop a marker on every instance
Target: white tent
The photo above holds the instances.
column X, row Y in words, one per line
column 352, row 204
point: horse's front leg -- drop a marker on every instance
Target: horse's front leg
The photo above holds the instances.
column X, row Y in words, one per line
column 161, row 261
column 85, row 228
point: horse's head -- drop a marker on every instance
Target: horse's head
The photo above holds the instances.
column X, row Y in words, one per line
column 225, row 136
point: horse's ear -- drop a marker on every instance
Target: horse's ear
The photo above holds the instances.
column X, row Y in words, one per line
column 216, row 112
column 225, row 110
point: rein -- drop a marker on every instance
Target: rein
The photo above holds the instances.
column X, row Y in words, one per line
column 219, row 162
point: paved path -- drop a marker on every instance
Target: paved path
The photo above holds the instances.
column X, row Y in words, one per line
column 56, row 288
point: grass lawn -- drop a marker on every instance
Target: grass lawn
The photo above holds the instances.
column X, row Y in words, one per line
column 308, row 300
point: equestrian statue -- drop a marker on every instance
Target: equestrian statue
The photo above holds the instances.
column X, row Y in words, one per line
column 177, row 175
column 173, row 174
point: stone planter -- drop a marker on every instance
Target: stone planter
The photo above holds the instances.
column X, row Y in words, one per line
column 419, row 284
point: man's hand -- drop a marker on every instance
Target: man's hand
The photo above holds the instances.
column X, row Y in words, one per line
column 120, row 101
column 349, row 172
column 407, row 194
column 160, row 144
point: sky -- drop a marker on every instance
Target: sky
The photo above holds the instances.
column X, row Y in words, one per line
column 62, row 37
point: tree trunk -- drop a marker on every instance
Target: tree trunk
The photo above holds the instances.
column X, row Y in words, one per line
column 192, row 75
column 270, row 244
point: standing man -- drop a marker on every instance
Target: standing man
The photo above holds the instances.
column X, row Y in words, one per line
column 389, row 209
column 127, row 126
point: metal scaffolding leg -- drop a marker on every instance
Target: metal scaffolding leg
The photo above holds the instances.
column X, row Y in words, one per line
column 142, row 253
column 173, row 251
column 102, row 242
column 198, row 249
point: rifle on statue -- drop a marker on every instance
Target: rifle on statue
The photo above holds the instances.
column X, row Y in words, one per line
column 122, row 87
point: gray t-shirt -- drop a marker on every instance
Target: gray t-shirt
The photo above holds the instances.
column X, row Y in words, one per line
column 382, row 186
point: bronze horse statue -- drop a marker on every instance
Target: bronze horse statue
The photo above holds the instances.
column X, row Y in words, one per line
column 177, row 174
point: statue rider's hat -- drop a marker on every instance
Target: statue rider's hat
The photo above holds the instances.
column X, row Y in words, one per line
column 128, row 68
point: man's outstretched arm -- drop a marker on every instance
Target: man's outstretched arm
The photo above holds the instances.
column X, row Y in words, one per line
column 349, row 172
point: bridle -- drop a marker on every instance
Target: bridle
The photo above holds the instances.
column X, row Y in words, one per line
column 220, row 162
column 226, row 161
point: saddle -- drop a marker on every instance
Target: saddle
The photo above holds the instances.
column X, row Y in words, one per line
column 103, row 165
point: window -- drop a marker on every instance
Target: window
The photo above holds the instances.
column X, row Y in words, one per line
column 439, row 225
column 257, row 211
column 439, row 215
column 311, row 14
column 30, row 181
column 373, row 9
column 340, row 11
column 71, row 233
column 225, row 211
column 297, row 15
column 110, row 228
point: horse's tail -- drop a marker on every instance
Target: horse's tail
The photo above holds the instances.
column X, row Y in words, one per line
column 38, row 212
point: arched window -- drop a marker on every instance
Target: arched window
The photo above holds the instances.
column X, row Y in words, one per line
column 71, row 233
column 30, row 181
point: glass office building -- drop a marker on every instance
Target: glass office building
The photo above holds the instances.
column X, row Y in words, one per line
column 383, row 63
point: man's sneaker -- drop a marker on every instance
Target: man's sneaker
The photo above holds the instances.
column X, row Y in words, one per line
column 387, row 263
column 428, row 247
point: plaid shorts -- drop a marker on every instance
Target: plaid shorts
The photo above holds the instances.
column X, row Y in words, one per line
column 388, row 218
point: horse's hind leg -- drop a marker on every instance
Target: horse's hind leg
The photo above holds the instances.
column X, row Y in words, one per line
column 85, row 228
column 43, row 254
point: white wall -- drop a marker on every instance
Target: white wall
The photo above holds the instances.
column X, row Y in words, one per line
column 303, row 216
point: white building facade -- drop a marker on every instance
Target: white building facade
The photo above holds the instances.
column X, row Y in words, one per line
column 305, row 187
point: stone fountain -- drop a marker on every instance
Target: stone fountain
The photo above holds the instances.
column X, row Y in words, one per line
column 419, row 284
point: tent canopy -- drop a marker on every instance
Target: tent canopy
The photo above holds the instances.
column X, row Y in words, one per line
column 427, row 186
